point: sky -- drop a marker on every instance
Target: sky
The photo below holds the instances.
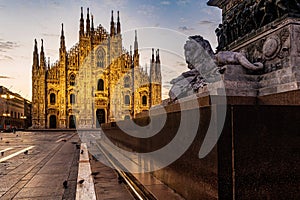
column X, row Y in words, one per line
column 162, row 24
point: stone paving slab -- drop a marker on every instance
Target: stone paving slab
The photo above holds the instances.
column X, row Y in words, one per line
column 106, row 183
column 41, row 173
column 34, row 192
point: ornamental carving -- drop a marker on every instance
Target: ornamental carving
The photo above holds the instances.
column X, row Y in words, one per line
column 271, row 47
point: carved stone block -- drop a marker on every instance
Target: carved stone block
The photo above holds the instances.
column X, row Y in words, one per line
column 278, row 48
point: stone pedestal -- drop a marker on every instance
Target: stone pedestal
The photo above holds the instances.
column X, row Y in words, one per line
column 235, row 81
column 277, row 45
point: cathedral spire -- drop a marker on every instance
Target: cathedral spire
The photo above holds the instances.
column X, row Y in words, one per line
column 118, row 25
column 136, row 46
column 42, row 46
column 62, row 31
column 152, row 60
column 157, row 68
column 152, row 68
column 92, row 24
column 35, row 55
column 62, row 39
column 112, row 25
column 136, row 52
column 88, row 29
column 42, row 56
column 48, row 63
column 81, row 28
column 157, row 56
column 130, row 52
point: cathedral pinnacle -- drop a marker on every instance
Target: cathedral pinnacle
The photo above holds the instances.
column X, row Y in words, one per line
column 62, row 38
column 157, row 56
column 112, row 25
column 152, row 56
column 81, row 28
column 135, row 42
column 62, row 30
column 93, row 23
column 118, row 24
column 130, row 51
column 35, row 46
column 88, row 29
column 42, row 56
column 35, row 55
column 42, row 46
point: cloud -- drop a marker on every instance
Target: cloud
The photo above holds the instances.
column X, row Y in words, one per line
column 205, row 22
column 7, row 45
column 49, row 35
column 8, row 58
column 4, row 57
column 5, row 77
column 147, row 10
column 166, row 3
column 183, row 2
column 185, row 28
column 114, row 3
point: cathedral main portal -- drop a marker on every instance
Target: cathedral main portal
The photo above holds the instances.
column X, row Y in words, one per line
column 100, row 113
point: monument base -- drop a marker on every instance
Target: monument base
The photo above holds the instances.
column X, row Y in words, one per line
column 238, row 82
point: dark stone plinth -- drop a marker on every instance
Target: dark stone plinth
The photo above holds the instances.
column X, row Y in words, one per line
column 256, row 156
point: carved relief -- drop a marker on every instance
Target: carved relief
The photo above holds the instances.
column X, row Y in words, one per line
column 285, row 46
column 271, row 47
column 297, row 37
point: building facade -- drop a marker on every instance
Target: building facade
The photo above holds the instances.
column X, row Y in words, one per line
column 95, row 82
column 15, row 111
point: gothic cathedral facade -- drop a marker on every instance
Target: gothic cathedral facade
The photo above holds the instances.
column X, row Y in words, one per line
column 97, row 81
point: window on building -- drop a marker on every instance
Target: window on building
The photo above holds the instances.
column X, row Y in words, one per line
column 100, row 86
column 72, row 98
column 100, row 58
column 126, row 82
column 52, row 98
column 72, row 80
column 144, row 100
column 11, row 114
column 127, row 100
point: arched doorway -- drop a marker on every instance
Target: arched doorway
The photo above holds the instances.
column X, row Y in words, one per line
column 72, row 121
column 100, row 115
column 127, row 117
column 52, row 121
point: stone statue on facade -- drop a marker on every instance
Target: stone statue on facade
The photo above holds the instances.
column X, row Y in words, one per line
column 205, row 66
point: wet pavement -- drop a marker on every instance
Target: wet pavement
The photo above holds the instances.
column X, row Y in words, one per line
column 34, row 165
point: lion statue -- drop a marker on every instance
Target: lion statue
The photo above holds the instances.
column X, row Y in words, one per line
column 205, row 66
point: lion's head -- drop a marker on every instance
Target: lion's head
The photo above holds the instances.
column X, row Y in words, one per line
column 196, row 49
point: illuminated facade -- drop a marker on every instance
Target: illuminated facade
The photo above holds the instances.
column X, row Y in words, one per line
column 96, row 82
column 15, row 111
